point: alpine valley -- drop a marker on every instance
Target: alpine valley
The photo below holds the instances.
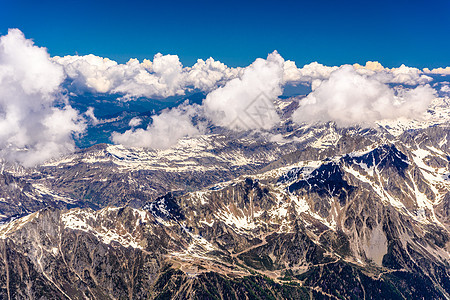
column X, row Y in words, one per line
column 298, row 212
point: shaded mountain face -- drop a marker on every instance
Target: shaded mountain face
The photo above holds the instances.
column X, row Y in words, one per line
column 386, row 156
column 325, row 181
column 333, row 213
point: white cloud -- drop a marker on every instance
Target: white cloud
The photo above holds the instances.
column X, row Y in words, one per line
column 160, row 78
column 244, row 103
column 163, row 77
column 314, row 73
column 401, row 75
column 290, row 72
column 88, row 72
column 445, row 88
column 347, row 95
column 439, row 71
column 350, row 98
column 207, row 75
column 308, row 73
column 408, row 75
column 370, row 65
column 35, row 122
column 165, row 130
column 135, row 122
column 91, row 116
column 247, row 102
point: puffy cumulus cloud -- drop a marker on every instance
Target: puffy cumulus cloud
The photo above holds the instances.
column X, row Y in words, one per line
column 135, row 122
column 401, row 75
column 88, row 71
column 35, row 122
column 163, row 77
column 445, row 88
column 308, row 73
column 314, row 73
column 165, row 130
column 242, row 98
column 168, row 69
column 408, row 75
column 371, row 66
column 246, row 102
column 438, row 71
column 160, row 78
column 207, row 75
column 350, row 98
column 290, row 72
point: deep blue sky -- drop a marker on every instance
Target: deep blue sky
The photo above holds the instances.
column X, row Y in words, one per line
column 416, row 33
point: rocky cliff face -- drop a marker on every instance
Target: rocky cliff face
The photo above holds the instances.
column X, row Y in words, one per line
column 335, row 213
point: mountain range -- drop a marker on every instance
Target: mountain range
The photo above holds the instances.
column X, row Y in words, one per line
column 312, row 211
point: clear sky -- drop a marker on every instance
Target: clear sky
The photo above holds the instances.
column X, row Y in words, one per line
column 416, row 33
